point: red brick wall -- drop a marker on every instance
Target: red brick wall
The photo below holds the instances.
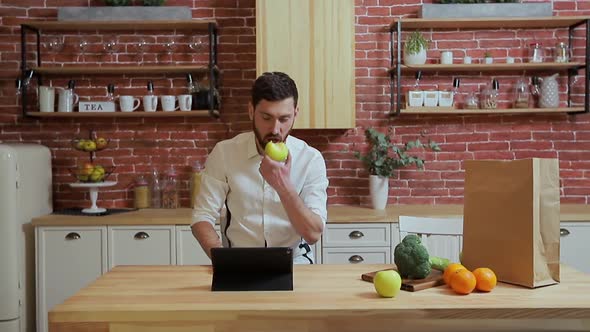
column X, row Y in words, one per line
column 139, row 144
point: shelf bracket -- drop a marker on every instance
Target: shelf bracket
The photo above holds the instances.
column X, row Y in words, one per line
column 587, row 69
column 214, row 103
column 26, row 73
column 395, row 82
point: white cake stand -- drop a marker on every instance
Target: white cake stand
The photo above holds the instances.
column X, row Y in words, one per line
column 93, row 187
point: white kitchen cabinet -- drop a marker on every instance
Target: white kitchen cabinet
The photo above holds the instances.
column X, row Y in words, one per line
column 141, row 245
column 575, row 245
column 188, row 249
column 360, row 243
column 67, row 259
column 317, row 49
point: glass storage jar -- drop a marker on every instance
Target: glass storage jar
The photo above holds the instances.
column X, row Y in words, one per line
column 142, row 193
column 521, row 94
column 471, row 101
column 535, row 53
column 170, row 190
column 562, row 53
column 490, row 96
column 195, row 182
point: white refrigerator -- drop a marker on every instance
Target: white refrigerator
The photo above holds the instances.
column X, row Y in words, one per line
column 25, row 193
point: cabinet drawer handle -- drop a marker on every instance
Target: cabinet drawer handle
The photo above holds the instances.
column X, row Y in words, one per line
column 73, row 236
column 356, row 235
column 355, row 259
column 141, row 236
column 564, row 232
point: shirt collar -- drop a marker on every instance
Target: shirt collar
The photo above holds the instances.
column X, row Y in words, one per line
column 252, row 150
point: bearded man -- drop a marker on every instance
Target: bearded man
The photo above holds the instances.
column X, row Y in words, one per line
column 268, row 203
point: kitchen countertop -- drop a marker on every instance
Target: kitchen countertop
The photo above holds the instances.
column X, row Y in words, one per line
column 325, row 298
column 336, row 214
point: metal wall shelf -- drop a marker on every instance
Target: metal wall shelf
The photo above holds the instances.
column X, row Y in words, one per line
column 570, row 22
column 40, row 71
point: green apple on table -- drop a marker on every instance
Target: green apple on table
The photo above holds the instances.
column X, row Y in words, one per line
column 276, row 151
column 387, row 283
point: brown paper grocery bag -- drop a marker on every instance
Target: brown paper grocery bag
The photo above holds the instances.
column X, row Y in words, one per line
column 511, row 219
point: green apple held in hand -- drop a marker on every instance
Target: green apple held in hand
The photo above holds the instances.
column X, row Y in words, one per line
column 276, row 151
column 387, row 283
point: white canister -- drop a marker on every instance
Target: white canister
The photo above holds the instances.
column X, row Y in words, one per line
column 467, row 60
column 415, row 98
column 445, row 98
column 446, row 58
column 46, row 99
column 430, row 98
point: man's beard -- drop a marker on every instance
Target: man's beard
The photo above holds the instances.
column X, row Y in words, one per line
column 263, row 140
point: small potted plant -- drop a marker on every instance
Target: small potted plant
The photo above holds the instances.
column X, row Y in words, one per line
column 383, row 158
column 415, row 49
column 487, row 57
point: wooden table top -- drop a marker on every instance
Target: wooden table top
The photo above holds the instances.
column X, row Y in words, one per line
column 148, row 295
column 336, row 214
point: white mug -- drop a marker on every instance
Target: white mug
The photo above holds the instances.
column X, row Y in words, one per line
column 446, row 58
column 150, row 103
column 467, row 60
column 169, row 103
column 67, row 100
column 128, row 103
column 46, row 99
column 185, row 102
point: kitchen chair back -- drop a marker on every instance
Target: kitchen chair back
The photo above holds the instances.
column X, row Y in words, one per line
column 441, row 236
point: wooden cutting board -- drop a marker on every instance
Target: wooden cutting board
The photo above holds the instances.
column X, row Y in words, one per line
column 435, row 278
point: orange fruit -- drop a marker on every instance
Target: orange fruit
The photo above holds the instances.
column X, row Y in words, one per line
column 450, row 270
column 485, row 279
column 463, row 282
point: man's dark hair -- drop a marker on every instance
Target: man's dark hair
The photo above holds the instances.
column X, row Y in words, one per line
column 275, row 86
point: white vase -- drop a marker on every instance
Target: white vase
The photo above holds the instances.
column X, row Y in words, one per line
column 379, row 189
column 416, row 58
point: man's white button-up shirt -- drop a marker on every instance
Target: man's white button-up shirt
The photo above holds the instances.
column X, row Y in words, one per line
column 256, row 217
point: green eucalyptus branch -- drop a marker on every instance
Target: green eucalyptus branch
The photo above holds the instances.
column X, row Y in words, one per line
column 415, row 43
column 383, row 158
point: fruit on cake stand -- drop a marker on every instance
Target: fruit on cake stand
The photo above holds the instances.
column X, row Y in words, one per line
column 90, row 175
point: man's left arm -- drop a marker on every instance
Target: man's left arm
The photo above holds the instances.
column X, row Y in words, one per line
column 307, row 212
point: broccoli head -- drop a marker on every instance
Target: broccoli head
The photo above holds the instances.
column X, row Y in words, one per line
column 411, row 258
